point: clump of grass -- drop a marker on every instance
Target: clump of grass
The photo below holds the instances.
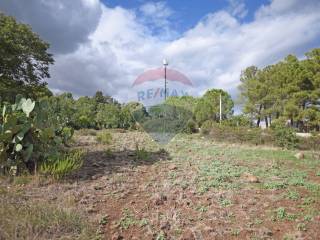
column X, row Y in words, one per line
column 308, row 201
column 127, row 219
column 293, row 195
column 281, row 213
column 161, row 236
column 224, row 202
column 235, row 232
column 62, row 165
column 104, row 137
column 202, row 209
column 40, row 220
column 141, row 154
column 275, row 185
column 218, row 174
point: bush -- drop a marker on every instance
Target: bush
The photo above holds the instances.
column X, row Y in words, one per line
column 207, row 126
column 225, row 133
column 191, row 127
column 104, row 137
column 237, row 121
column 66, row 134
column 310, row 143
column 285, row 137
column 63, row 164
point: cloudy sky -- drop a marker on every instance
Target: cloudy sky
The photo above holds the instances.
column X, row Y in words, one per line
column 105, row 45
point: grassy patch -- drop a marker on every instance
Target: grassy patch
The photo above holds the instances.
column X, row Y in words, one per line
column 62, row 165
column 293, row 195
column 141, row 154
column 218, row 174
column 23, row 219
column 224, row 202
column 104, row 137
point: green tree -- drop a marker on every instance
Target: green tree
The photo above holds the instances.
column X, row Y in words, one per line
column 24, row 61
column 207, row 107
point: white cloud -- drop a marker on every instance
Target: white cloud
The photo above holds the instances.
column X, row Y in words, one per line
column 237, row 8
column 63, row 23
column 122, row 45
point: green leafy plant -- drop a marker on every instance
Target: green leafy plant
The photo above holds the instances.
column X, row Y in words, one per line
column 281, row 213
column 293, row 195
column 29, row 134
column 127, row 220
column 63, row 164
column 285, row 137
column 141, row 154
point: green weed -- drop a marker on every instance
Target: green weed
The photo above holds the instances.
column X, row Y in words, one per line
column 104, row 137
column 281, row 213
column 62, row 165
column 141, row 154
column 127, row 220
column 202, row 209
column 293, row 195
column 224, row 202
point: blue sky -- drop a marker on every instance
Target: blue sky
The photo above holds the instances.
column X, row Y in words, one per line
column 106, row 45
column 186, row 14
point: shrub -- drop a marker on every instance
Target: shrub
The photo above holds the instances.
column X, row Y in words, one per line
column 207, row 126
column 237, row 121
column 191, row 127
column 104, row 137
column 310, row 143
column 285, row 137
column 66, row 134
column 227, row 133
column 63, row 164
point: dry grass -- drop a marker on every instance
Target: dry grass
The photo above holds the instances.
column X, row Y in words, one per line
column 24, row 218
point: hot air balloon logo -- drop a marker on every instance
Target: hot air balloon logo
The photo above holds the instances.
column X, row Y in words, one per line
column 151, row 89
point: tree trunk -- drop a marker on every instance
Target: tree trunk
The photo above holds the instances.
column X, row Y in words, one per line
column 266, row 120
column 270, row 119
column 259, row 118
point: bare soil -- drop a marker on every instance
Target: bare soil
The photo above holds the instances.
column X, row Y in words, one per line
column 162, row 193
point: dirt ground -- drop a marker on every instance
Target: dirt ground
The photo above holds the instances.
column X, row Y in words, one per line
column 192, row 188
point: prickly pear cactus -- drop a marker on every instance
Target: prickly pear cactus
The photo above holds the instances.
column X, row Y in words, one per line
column 29, row 134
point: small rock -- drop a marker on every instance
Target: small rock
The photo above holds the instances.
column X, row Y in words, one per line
column 299, row 155
column 94, row 177
column 172, row 167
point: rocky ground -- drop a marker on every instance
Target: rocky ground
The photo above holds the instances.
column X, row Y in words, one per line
column 192, row 188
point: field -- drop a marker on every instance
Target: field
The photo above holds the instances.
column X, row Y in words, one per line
column 193, row 188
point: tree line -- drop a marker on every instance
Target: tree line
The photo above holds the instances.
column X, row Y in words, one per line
column 287, row 92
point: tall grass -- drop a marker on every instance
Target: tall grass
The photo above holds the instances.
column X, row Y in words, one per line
column 62, row 165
